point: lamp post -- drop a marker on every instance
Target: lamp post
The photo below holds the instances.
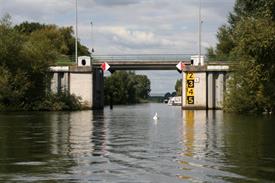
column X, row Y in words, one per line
column 200, row 22
column 76, row 31
column 92, row 49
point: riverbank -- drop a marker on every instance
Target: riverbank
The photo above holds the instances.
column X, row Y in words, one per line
column 51, row 102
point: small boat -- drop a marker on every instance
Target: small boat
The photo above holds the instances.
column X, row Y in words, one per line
column 176, row 101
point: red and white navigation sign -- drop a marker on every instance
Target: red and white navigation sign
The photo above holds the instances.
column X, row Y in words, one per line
column 180, row 66
column 105, row 66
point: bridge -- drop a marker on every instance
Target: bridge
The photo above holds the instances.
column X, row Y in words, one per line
column 142, row 61
column 204, row 85
column 139, row 65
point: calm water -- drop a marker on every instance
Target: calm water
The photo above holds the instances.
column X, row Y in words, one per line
column 127, row 145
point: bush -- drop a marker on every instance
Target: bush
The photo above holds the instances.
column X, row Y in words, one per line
column 57, row 102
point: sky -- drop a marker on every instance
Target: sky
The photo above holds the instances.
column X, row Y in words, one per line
column 131, row 26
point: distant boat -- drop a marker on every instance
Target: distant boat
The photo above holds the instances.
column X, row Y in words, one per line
column 175, row 101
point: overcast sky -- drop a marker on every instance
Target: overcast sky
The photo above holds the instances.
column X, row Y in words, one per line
column 130, row 26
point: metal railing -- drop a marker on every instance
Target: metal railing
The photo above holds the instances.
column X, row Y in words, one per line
column 143, row 57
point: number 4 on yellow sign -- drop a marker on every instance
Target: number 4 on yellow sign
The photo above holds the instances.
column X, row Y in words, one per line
column 190, row 92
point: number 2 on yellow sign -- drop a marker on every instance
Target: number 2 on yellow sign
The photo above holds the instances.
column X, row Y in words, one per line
column 190, row 75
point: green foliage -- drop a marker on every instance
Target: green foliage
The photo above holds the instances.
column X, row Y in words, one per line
column 24, row 62
column 246, row 90
column 178, row 87
column 167, row 95
column 255, row 39
column 57, row 102
column 64, row 60
column 126, row 88
column 243, row 11
column 142, row 86
column 249, row 38
column 27, row 28
column 61, row 38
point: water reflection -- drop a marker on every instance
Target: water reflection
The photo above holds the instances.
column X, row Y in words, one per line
column 226, row 147
column 126, row 145
column 78, row 134
column 202, row 143
column 50, row 143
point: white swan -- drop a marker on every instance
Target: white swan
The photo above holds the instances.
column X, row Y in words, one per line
column 156, row 116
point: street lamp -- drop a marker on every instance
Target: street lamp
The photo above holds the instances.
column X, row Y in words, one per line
column 200, row 22
column 76, row 31
column 92, row 49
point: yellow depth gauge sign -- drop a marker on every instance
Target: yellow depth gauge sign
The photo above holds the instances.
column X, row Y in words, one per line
column 190, row 85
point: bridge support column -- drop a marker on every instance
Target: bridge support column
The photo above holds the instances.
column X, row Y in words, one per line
column 59, row 82
column 98, row 89
column 210, row 91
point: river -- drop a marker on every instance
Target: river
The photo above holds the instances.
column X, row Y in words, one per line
column 126, row 145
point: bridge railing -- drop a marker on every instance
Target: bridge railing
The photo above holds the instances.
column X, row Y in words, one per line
column 143, row 57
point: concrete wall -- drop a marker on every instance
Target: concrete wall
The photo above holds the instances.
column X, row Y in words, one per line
column 81, row 85
column 80, row 81
column 59, row 82
column 209, row 87
column 54, row 82
column 199, row 90
column 216, row 86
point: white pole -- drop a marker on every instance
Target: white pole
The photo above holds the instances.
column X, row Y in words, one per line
column 91, row 37
column 76, row 31
column 199, row 32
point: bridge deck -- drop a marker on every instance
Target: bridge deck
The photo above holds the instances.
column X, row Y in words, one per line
column 140, row 65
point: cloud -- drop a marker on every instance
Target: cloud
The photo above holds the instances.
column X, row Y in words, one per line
column 117, row 2
column 36, row 10
column 133, row 38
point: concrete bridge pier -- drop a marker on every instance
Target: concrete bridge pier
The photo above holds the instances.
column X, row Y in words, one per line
column 84, row 82
column 98, row 89
column 216, row 86
column 204, row 87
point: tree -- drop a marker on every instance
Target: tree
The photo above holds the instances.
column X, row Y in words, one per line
column 252, row 85
column 24, row 64
column 167, row 95
column 27, row 28
column 178, row 87
column 142, row 86
column 249, row 39
column 126, row 88
column 24, row 69
column 61, row 38
column 264, row 9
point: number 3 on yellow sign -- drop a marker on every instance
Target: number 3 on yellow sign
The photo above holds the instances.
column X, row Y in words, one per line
column 190, row 83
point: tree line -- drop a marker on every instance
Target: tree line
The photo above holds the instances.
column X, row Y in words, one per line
column 248, row 39
column 26, row 52
column 126, row 88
